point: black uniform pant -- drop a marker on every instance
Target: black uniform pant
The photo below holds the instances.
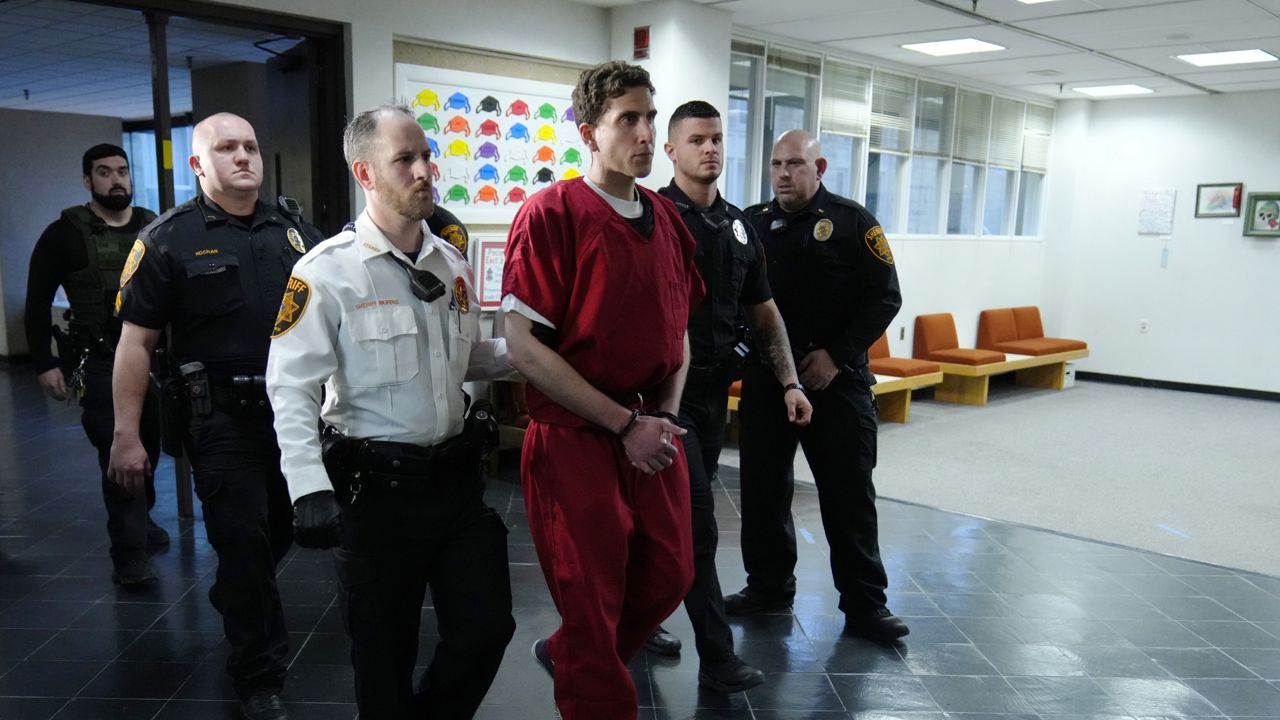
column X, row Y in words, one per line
column 840, row 444
column 127, row 518
column 400, row 534
column 249, row 519
column 702, row 412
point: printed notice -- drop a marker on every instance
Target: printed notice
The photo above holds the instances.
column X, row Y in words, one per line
column 1155, row 214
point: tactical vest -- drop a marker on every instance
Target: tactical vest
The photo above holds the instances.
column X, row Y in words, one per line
column 92, row 289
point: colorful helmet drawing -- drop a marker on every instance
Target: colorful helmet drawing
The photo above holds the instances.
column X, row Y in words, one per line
column 544, row 176
column 427, row 98
column 456, row 193
column 488, row 150
column 546, row 132
column 547, row 111
column 487, row 171
column 488, row 193
column 459, row 148
column 435, row 171
column 516, row 195
column 518, row 132
column 572, row 156
column 489, row 127
column 458, row 124
column 518, row 108
column 517, row 174
column 427, row 121
column 489, row 104
column 569, row 115
column 544, row 154
column 570, row 174
column 435, row 194
column 433, row 147
column 457, row 101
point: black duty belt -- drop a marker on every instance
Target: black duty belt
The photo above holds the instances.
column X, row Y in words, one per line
column 396, row 458
column 239, row 392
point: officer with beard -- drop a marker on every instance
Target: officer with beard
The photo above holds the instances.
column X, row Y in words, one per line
column 84, row 251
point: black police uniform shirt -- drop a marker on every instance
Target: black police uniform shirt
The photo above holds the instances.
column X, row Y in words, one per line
column 832, row 274
column 730, row 259
column 58, row 253
column 217, row 278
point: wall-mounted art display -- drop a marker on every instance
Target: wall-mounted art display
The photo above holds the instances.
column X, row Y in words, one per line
column 1262, row 215
column 1155, row 212
column 494, row 140
column 490, row 254
column 1215, row 200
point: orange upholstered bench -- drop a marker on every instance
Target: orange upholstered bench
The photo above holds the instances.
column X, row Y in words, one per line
column 896, row 378
column 1018, row 330
column 966, row 373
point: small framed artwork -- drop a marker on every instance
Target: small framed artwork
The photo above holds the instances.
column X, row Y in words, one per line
column 1218, row 200
column 1262, row 216
column 490, row 255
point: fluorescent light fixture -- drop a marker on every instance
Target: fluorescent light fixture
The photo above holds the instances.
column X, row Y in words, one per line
column 1230, row 57
column 963, row 46
column 1034, row 2
column 1113, row 90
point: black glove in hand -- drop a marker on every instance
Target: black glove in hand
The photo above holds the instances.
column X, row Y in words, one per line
column 317, row 520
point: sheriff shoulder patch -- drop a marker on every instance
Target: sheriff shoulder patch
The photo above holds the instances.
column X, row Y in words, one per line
column 132, row 262
column 878, row 246
column 455, row 236
column 296, row 295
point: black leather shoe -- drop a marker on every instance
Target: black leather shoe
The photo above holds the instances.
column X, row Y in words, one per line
column 264, row 705
column 877, row 624
column 157, row 538
column 730, row 676
column 754, row 603
column 134, row 573
column 663, row 643
column 542, row 654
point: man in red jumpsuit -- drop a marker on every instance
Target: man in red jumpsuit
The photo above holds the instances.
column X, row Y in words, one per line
column 598, row 282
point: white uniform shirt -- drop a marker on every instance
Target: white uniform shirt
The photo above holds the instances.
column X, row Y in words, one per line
column 392, row 366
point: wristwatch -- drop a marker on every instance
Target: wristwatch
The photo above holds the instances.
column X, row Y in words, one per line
column 792, row 386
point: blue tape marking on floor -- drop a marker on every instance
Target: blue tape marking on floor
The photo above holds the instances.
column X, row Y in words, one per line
column 806, row 535
column 1175, row 531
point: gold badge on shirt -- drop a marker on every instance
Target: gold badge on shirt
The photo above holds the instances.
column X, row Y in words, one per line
column 460, row 295
column 878, row 245
column 295, row 240
column 822, row 231
column 456, row 237
column 296, row 295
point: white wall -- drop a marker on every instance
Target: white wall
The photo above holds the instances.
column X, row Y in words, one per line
column 1212, row 310
column 41, row 175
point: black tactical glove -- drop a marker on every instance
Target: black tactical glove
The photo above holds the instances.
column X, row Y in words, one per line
column 317, row 520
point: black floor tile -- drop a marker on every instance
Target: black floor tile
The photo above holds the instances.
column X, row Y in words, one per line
column 956, row 694
column 1232, row 634
column 18, row 643
column 1157, row 633
column 1199, row 663
column 1265, row 662
column 86, row 645
column 1026, row 660
column 795, row 691
column 29, row 708
column 1008, row 630
column 1065, row 695
column 945, row 659
column 48, row 678
column 157, row 680
column 104, row 709
column 861, row 656
column 1103, row 661
column 897, row 693
column 1155, row 697
column 1239, row 697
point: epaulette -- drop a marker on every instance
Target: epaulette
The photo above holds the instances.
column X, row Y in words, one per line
column 838, row 200
column 150, row 229
column 757, row 209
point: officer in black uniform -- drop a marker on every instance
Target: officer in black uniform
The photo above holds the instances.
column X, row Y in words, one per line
column 84, row 251
column 834, row 280
column 214, row 269
column 731, row 261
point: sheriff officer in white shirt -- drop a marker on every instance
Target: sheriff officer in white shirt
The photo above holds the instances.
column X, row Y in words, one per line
column 384, row 317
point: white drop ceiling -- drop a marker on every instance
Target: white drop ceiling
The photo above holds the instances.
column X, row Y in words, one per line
column 1052, row 46
column 62, row 56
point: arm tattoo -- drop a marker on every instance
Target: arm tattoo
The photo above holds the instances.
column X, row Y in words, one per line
column 771, row 340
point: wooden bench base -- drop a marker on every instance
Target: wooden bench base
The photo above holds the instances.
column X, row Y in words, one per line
column 967, row 384
column 893, row 394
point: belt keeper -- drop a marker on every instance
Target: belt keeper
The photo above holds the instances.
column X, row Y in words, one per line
column 631, row 421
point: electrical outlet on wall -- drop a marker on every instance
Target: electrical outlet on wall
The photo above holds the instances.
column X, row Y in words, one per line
column 1144, row 325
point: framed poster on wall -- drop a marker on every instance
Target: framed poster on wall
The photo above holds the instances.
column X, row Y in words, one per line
column 1262, row 219
column 494, row 140
column 1218, row 200
column 490, row 254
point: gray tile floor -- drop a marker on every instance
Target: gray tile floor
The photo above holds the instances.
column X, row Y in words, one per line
column 1007, row 622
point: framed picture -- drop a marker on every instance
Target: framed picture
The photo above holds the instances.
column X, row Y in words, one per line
column 1262, row 218
column 490, row 254
column 1218, row 200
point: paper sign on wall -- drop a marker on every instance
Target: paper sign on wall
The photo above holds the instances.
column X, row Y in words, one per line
column 1155, row 213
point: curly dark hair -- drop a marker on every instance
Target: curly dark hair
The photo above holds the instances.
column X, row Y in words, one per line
column 600, row 84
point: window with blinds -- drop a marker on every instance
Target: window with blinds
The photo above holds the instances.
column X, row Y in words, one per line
column 973, row 126
column 1037, row 129
column 935, row 114
column 846, row 99
column 1006, row 133
column 892, row 111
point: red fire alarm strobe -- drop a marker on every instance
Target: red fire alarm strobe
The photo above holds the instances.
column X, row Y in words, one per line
column 641, row 43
